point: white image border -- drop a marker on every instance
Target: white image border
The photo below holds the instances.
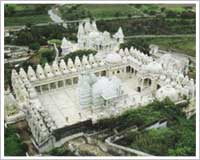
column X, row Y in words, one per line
column 100, row 2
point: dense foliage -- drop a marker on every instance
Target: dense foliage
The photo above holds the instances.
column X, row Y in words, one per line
column 184, row 45
column 40, row 57
column 177, row 139
column 55, row 41
column 80, row 54
column 25, row 9
column 43, row 56
column 154, row 25
column 7, row 74
column 103, row 11
column 74, row 12
column 139, row 43
column 37, row 34
column 27, row 20
column 13, row 145
column 41, row 34
column 26, row 14
column 60, row 151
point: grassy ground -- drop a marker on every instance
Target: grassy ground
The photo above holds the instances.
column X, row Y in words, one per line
column 120, row 10
column 177, row 7
column 13, row 144
column 185, row 45
column 22, row 14
column 22, row 7
column 182, row 45
column 111, row 10
column 23, row 20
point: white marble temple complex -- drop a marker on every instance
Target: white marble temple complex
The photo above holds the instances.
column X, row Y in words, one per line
column 65, row 94
column 90, row 38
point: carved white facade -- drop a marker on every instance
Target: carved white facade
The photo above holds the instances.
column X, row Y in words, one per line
column 89, row 37
column 96, row 86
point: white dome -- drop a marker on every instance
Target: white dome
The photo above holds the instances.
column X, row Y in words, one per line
column 106, row 87
column 113, row 58
column 167, row 91
column 99, row 85
column 153, row 67
column 94, row 34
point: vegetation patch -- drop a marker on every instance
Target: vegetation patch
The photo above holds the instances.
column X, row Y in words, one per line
column 103, row 11
column 60, row 151
column 26, row 14
column 80, row 54
column 152, row 26
column 42, row 34
column 13, row 10
column 44, row 55
column 111, row 10
column 27, row 20
column 178, row 139
column 13, row 145
column 185, row 45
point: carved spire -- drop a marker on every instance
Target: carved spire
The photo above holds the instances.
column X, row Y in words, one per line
column 22, row 73
column 80, row 30
column 47, row 70
column 55, row 68
column 31, row 74
column 63, row 66
column 40, row 72
column 77, row 61
column 94, row 26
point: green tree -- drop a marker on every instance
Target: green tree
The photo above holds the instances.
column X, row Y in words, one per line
column 13, row 145
column 46, row 55
column 24, row 38
column 9, row 10
column 34, row 46
column 60, row 151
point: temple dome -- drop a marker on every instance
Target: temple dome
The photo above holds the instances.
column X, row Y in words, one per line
column 167, row 91
column 94, row 34
column 154, row 67
column 113, row 58
column 106, row 87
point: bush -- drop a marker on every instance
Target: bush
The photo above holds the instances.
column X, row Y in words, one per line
column 56, row 41
column 40, row 35
column 13, row 145
column 7, row 73
column 46, row 55
column 178, row 139
column 34, row 46
column 171, row 14
column 61, row 151
column 74, row 12
column 140, row 44
column 188, row 14
column 79, row 53
column 25, row 9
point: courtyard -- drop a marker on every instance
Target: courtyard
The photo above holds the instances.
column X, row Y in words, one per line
column 63, row 103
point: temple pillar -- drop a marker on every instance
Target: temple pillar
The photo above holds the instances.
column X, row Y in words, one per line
column 56, row 84
column 142, row 84
column 49, row 87
column 41, row 90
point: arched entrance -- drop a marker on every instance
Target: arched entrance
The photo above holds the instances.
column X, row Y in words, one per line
column 147, row 82
column 139, row 89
